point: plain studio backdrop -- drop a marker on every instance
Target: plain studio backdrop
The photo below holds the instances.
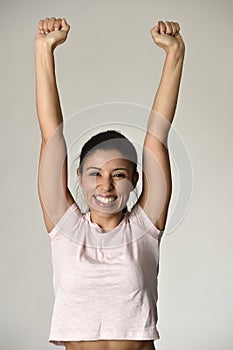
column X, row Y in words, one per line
column 110, row 57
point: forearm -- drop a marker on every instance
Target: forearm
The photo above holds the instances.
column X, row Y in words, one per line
column 165, row 101
column 47, row 97
column 166, row 97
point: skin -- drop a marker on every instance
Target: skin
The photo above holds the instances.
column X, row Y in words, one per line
column 107, row 174
column 111, row 345
column 54, row 194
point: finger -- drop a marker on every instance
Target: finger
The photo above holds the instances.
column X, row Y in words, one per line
column 46, row 21
column 168, row 27
column 51, row 24
column 178, row 26
column 57, row 24
column 178, row 29
column 174, row 28
column 65, row 25
column 40, row 26
column 162, row 27
column 155, row 29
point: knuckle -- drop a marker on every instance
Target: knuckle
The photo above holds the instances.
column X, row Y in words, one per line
column 174, row 28
column 51, row 24
column 57, row 24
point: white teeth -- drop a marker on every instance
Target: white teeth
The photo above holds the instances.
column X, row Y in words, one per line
column 105, row 200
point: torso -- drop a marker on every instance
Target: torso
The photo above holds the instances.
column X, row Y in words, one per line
column 111, row 345
column 135, row 278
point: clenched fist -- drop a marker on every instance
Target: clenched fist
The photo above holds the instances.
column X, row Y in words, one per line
column 52, row 31
column 166, row 35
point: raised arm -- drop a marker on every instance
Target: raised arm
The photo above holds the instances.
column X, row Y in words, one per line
column 157, row 181
column 53, row 191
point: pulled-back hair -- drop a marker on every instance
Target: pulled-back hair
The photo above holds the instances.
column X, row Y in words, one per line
column 109, row 140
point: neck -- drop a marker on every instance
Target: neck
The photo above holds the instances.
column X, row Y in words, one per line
column 107, row 221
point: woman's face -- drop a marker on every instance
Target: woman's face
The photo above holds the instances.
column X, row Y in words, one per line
column 107, row 180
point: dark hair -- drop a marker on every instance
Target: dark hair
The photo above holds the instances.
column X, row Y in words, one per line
column 106, row 140
column 109, row 140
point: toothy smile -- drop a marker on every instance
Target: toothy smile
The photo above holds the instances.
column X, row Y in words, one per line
column 109, row 199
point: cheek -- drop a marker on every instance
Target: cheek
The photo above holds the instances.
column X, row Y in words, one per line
column 124, row 186
column 88, row 186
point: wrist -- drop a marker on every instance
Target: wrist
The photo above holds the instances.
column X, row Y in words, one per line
column 175, row 55
column 176, row 51
column 43, row 48
column 174, row 58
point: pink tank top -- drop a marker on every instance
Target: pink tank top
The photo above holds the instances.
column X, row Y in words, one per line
column 105, row 283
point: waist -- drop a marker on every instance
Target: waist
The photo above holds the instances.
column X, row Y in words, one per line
column 110, row 345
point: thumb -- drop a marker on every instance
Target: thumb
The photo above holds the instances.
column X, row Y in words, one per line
column 64, row 25
column 155, row 31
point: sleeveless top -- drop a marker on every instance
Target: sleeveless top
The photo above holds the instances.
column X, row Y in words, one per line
column 105, row 283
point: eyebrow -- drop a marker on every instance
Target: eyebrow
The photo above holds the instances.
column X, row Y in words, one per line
column 94, row 167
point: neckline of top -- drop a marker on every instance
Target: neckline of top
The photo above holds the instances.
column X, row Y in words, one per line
column 98, row 229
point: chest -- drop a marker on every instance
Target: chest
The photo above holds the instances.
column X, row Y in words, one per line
column 97, row 271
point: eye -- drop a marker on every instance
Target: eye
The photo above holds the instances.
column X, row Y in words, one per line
column 95, row 174
column 119, row 175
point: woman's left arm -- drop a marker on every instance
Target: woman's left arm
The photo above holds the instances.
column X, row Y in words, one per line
column 157, row 181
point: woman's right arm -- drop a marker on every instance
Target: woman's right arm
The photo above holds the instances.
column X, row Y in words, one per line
column 54, row 195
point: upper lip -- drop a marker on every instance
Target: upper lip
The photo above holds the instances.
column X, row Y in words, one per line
column 106, row 196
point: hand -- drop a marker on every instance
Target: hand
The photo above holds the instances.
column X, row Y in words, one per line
column 52, row 32
column 166, row 35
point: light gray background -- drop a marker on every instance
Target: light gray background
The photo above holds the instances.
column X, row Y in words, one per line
column 110, row 57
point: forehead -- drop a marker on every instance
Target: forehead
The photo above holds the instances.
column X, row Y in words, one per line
column 103, row 158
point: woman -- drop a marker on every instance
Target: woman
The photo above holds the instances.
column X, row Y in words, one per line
column 105, row 294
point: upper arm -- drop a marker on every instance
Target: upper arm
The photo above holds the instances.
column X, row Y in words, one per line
column 156, row 180
column 54, row 194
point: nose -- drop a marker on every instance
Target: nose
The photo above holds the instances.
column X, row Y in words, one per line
column 106, row 183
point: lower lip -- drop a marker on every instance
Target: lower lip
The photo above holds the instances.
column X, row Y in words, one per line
column 105, row 205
